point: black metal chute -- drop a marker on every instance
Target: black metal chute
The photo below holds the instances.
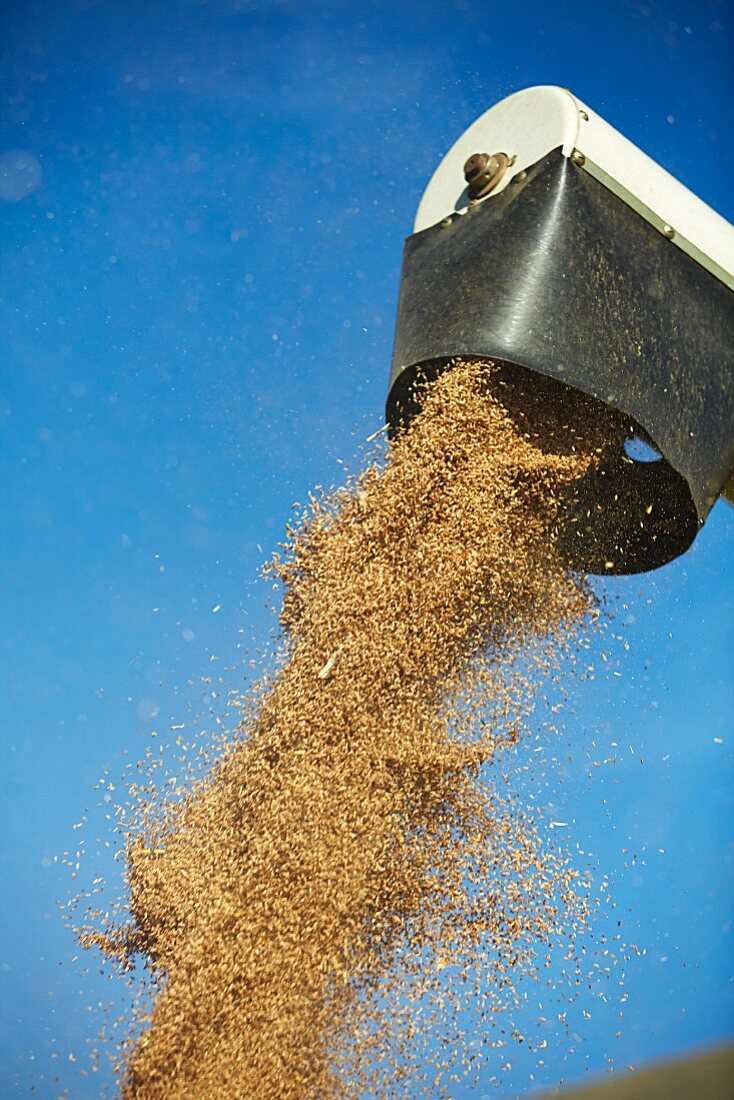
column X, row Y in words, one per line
column 591, row 313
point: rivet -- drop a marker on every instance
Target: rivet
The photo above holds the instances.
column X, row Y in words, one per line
column 446, row 221
column 578, row 157
column 668, row 232
column 520, row 177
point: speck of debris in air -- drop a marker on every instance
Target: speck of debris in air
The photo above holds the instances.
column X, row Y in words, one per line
column 346, row 897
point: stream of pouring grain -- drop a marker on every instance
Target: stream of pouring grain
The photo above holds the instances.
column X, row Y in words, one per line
column 317, row 909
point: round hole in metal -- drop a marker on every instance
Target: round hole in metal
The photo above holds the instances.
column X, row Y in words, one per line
column 639, row 450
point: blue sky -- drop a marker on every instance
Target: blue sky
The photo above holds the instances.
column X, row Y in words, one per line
column 200, row 261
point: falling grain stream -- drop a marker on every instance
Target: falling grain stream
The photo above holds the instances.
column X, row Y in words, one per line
column 319, row 907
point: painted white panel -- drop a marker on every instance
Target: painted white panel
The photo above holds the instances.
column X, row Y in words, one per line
column 526, row 125
column 531, row 123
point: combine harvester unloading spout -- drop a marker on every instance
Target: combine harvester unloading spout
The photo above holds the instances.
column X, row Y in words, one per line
column 548, row 243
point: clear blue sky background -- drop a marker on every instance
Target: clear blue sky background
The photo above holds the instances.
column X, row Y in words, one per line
column 200, row 264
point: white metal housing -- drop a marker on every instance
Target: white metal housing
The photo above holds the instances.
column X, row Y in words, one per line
column 530, row 124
